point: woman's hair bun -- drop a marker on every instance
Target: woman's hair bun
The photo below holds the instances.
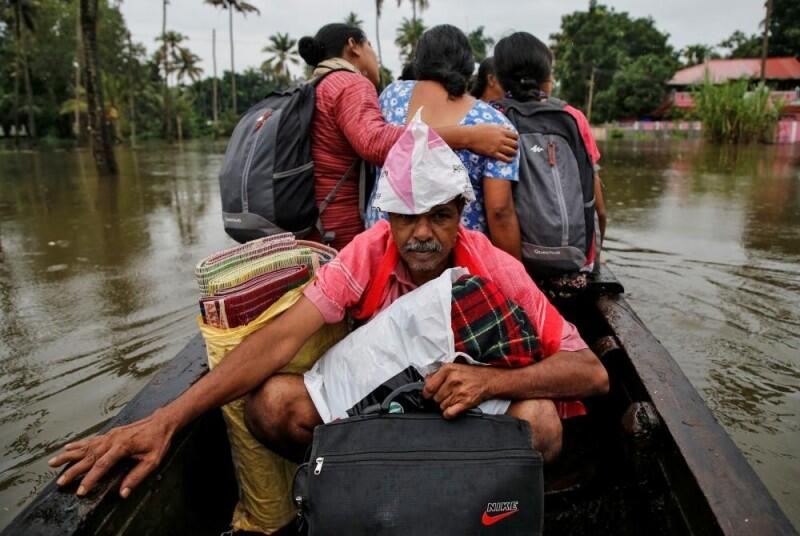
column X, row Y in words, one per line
column 310, row 50
column 453, row 81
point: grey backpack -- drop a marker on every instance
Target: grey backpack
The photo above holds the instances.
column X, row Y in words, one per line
column 267, row 175
column 554, row 197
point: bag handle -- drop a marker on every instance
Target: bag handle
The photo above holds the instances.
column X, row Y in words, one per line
column 410, row 388
column 329, row 236
column 403, row 389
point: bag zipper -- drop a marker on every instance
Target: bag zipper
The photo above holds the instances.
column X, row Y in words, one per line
column 441, row 455
column 293, row 171
column 562, row 205
column 249, row 162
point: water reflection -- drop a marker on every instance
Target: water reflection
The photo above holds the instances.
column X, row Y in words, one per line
column 707, row 240
column 96, row 286
column 96, row 290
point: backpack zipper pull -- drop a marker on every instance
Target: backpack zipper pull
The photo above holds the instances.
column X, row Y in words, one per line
column 551, row 154
column 318, row 468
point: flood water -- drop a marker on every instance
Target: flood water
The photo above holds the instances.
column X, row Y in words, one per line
column 97, row 291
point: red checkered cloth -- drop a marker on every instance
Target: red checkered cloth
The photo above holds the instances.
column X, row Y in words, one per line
column 236, row 306
column 490, row 328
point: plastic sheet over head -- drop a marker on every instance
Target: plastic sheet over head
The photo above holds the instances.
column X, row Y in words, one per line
column 421, row 172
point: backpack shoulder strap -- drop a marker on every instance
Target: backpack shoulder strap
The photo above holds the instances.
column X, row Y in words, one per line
column 329, row 236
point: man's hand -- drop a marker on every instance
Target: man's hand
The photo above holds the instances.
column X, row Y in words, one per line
column 457, row 388
column 495, row 141
column 146, row 441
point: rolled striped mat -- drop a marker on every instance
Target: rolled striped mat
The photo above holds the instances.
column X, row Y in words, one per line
column 216, row 264
column 243, row 272
column 243, row 303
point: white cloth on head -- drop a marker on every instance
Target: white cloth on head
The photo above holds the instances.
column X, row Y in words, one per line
column 421, row 172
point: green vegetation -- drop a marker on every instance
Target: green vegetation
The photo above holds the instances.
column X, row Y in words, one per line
column 479, row 43
column 48, row 77
column 732, row 114
column 628, row 60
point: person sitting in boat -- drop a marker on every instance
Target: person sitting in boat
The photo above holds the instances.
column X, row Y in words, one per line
column 424, row 188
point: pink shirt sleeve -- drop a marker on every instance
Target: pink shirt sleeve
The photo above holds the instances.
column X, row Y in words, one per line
column 341, row 283
column 359, row 117
column 586, row 133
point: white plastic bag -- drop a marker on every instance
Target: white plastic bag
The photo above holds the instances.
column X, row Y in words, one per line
column 414, row 331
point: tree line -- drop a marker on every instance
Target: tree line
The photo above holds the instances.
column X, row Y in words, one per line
column 607, row 61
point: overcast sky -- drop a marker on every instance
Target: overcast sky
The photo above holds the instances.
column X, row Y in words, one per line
column 686, row 21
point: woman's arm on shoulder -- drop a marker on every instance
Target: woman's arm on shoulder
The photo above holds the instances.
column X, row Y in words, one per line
column 360, row 119
column 501, row 216
column 493, row 141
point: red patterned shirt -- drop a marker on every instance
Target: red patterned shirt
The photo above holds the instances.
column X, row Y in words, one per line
column 347, row 124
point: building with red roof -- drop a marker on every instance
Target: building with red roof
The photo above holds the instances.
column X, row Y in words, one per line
column 781, row 74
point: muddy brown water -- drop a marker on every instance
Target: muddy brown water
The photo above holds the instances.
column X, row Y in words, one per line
column 96, row 287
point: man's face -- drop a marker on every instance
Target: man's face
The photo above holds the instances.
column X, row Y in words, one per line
column 425, row 241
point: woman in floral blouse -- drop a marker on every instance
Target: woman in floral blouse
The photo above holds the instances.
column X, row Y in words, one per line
column 443, row 65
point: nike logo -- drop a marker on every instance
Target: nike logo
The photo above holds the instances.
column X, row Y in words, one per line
column 489, row 520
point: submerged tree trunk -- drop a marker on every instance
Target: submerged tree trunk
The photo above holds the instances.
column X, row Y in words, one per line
column 99, row 131
column 131, row 93
column 23, row 63
column 179, row 127
column 215, row 94
column 166, row 120
column 233, row 68
column 28, row 97
column 78, row 60
column 17, row 71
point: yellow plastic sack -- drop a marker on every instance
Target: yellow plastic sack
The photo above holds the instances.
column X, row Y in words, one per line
column 264, row 478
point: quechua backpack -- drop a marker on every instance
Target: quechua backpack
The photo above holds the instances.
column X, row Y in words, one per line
column 267, row 175
column 554, row 197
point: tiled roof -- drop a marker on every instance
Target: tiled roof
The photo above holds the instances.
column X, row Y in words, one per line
column 722, row 70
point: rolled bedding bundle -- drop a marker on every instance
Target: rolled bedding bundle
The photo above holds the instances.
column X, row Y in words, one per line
column 243, row 289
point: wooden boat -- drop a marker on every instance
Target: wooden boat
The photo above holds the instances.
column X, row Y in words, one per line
column 648, row 459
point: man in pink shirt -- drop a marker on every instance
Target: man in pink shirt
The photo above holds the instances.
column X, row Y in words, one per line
column 424, row 188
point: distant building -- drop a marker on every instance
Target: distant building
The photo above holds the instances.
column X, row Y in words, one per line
column 782, row 75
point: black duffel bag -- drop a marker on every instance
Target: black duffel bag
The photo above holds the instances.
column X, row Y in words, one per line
column 406, row 474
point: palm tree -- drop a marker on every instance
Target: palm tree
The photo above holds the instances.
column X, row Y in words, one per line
column 170, row 52
column 166, row 56
column 408, row 35
column 479, row 43
column 22, row 19
column 244, row 8
column 283, row 51
column 352, row 20
column 423, row 5
column 98, row 126
column 186, row 65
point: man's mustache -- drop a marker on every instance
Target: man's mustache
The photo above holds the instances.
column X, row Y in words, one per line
column 428, row 246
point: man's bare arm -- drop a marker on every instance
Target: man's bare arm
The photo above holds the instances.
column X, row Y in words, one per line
column 258, row 357
column 570, row 375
